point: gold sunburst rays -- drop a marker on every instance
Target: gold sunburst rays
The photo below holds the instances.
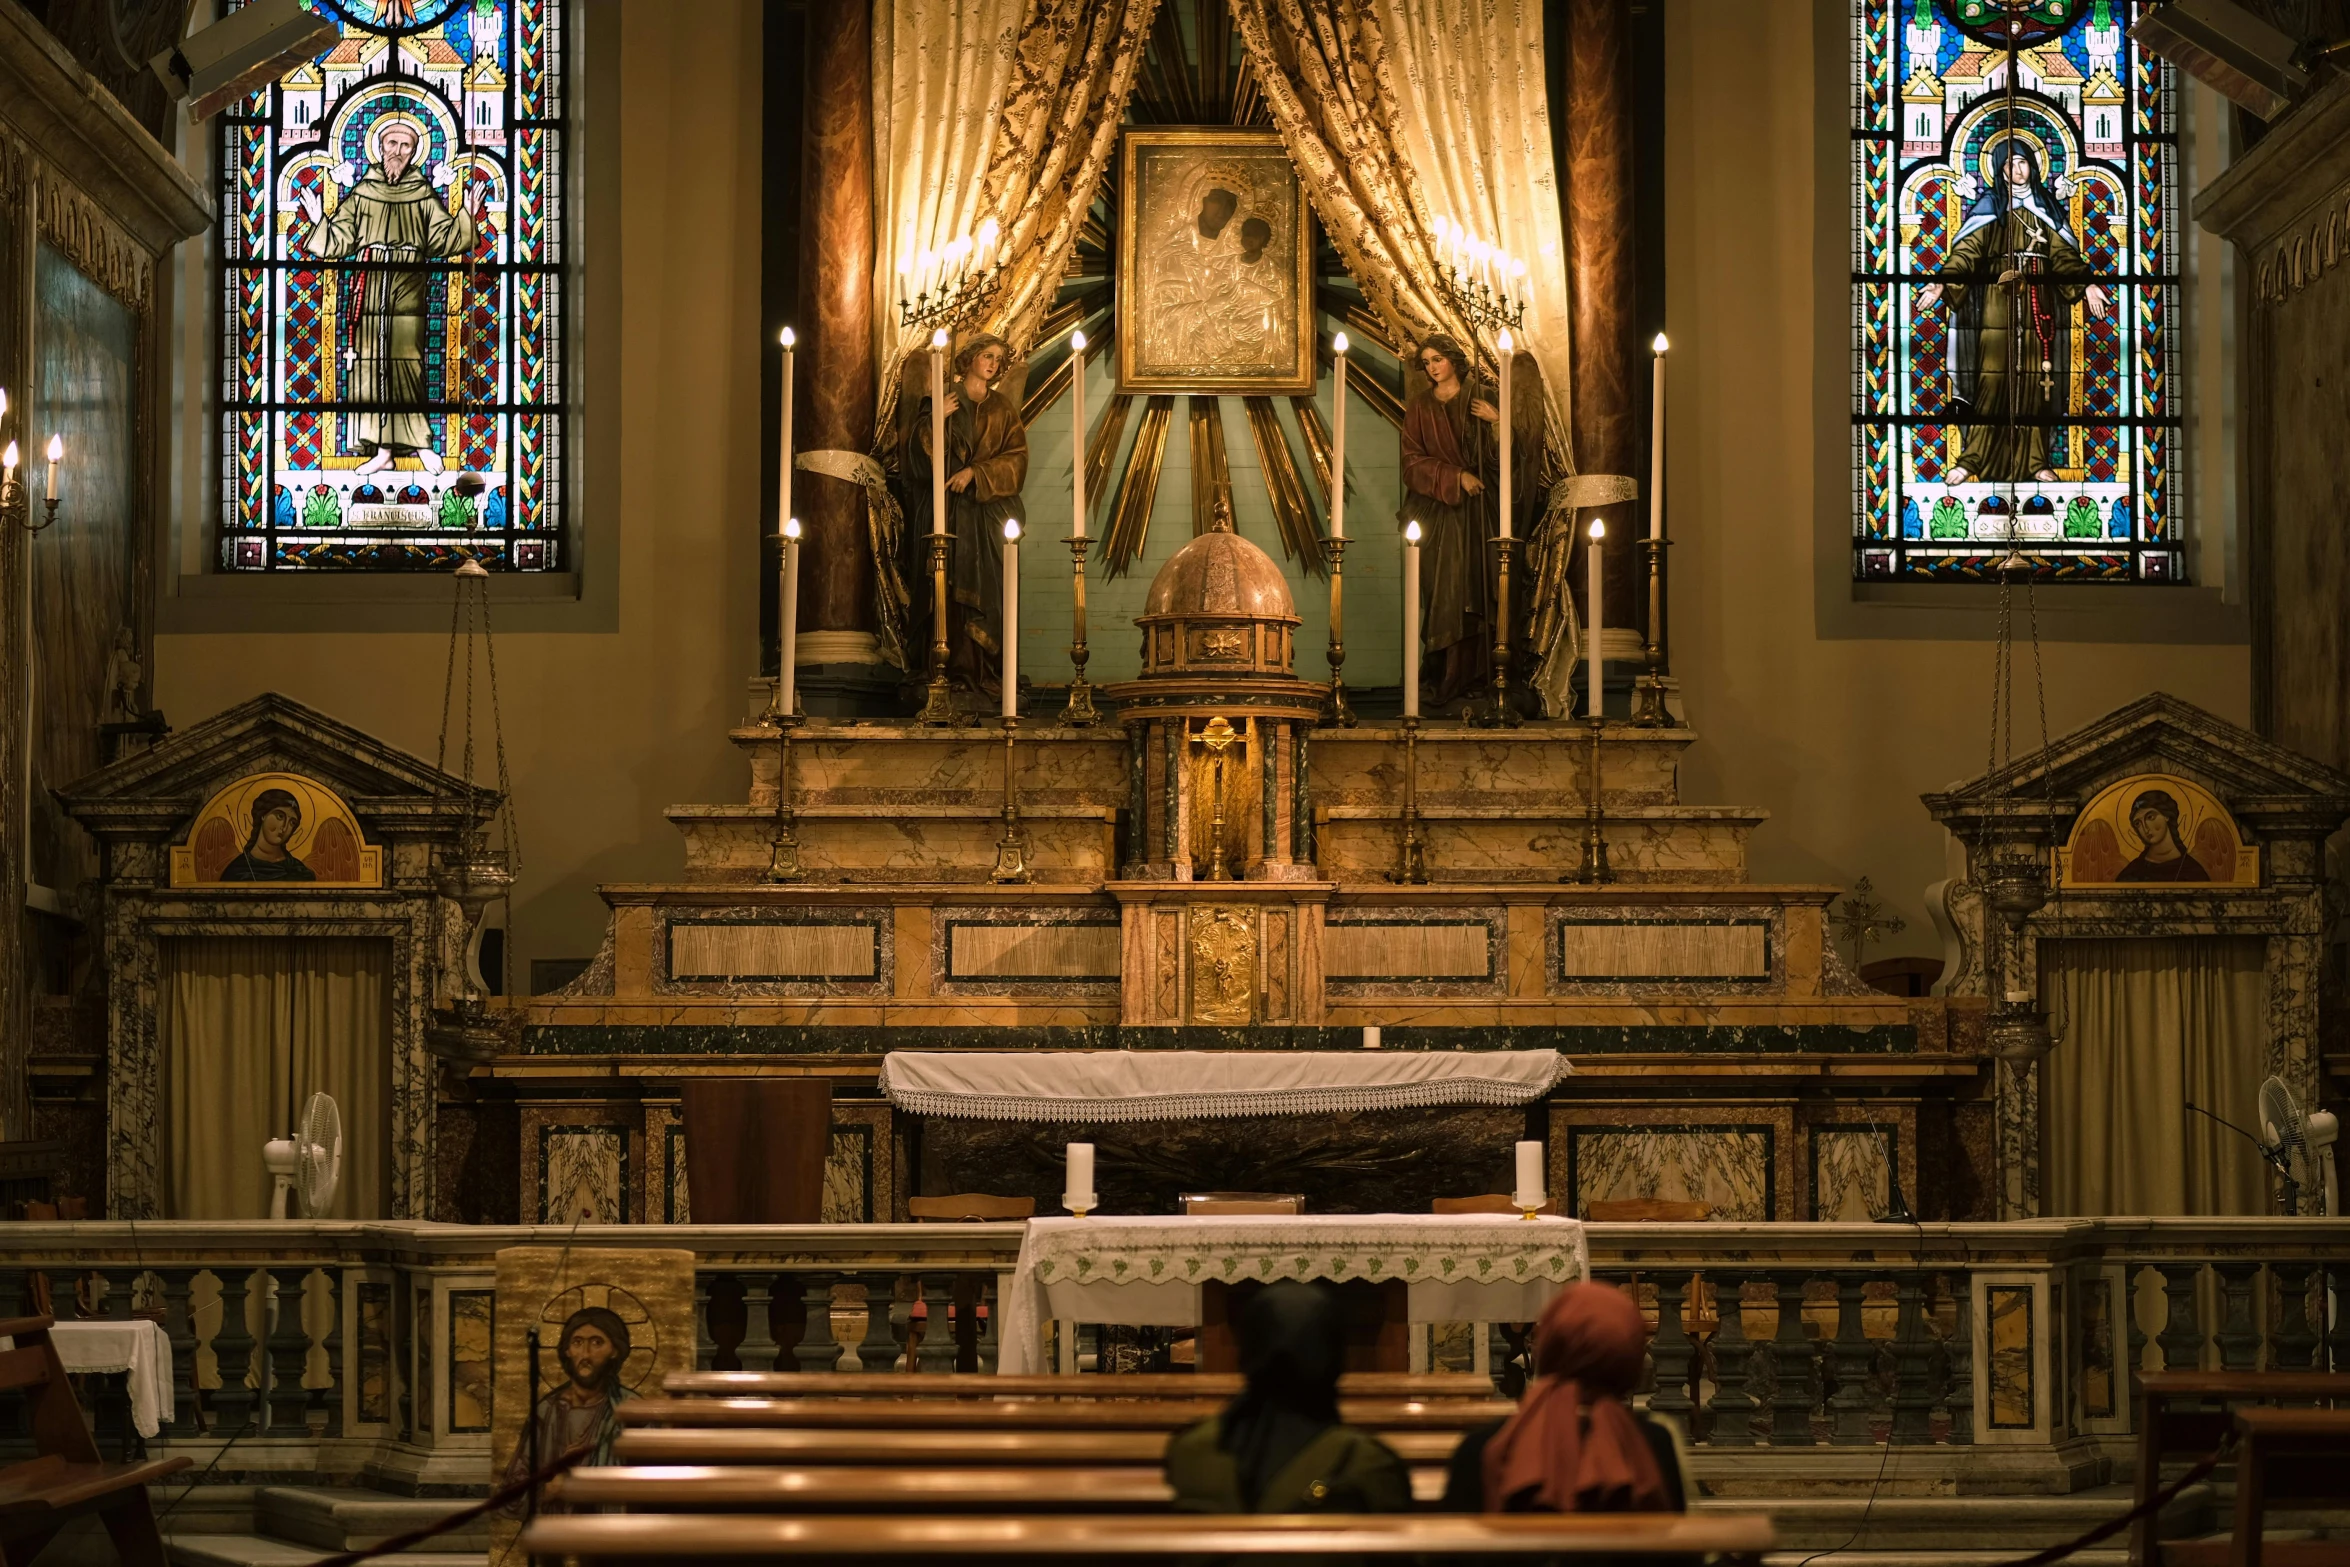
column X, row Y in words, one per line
column 1317, row 434
column 1103, row 444
column 1130, row 513
column 1293, row 514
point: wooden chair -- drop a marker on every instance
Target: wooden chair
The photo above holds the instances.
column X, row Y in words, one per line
column 1487, row 1202
column 2289, row 1458
column 68, row 1480
column 2186, row 1414
column 969, row 1208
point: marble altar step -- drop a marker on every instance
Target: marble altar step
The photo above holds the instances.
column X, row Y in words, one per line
column 253, row 1550
column 1543, row 764
column 925, row 842
column 1488, row 838
column 292, row 1525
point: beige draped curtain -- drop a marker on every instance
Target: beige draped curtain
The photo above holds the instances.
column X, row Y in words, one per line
column 251, row 1027
column 2150, row 1025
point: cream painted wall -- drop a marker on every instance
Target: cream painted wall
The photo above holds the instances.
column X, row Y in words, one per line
column 1836, row 734
column 606, row 727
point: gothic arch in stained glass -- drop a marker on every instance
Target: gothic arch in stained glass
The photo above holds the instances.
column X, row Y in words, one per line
column 391, row 244
column 2015, row 293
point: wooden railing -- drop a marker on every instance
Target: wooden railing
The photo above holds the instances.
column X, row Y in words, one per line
column 2002, row 1348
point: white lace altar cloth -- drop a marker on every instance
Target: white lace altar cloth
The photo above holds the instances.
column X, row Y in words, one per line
column 1465, row 1267
column 1164, row 1085
column 130, row 1344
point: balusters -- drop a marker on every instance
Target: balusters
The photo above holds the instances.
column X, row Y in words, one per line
column 2338, row 1341
column 2134, row 1333
column 1852, row 1358
column 1959, row 1356
column 1913, row 1350
column 2293, row 1347
column 232, row 1349
column 1672, row 1351
column 817, row 1349
column 2238, row 1335
column 287, row 1406
column 990, row 1308
column 1734, row 1405
column 758, row 1349
column 2181, row 1337
column 1791, row 1354
column 705, row 1342
column 179, row 1325
column 937, row 1351
column 877, row 1351
column 338, row 1383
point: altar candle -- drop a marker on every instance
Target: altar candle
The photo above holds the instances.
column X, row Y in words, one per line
column 787, row 671
column 1529, row 1193
column 1411, row 620
column 1508, row 349
column 1079, row 1195
column 1338, row 439
column 8, row 463
column 1656, row 444
column 1077, row 422
column 56, row 455
column 783, row 472
column 1370, row 1036
column 1011, row 617
column 938, row 431
column 1591, row 597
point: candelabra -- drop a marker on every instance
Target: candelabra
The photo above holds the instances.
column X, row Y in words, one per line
column 783, row 864
column 1480, row 281
column 1504, row 715
column 956, row 291
column 938, row 705
column 1338, row 715
column 1648, row 691
column 1011, row 852
column 1412, row 858
column 15, row 500
column 1594, row 871
column 1080, row 713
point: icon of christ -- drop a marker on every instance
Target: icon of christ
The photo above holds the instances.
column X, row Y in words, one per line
column 396, row 221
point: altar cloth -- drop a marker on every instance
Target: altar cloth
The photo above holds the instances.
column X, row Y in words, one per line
column 132, row 1345
column 1457, row 1267
column 1089, row 1086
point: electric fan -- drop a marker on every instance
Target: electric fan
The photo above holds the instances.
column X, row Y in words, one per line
column 318, row 1147
column 2301, row 1148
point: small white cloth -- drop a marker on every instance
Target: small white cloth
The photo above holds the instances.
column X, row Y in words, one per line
column 1466, row 1267
column 136, row 1346
column 1165, row 1085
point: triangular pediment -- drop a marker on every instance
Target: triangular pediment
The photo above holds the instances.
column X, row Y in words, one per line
column 150, row 793
column 2155, row 734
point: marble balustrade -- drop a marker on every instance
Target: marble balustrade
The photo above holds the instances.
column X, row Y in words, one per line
column 1993, row 1354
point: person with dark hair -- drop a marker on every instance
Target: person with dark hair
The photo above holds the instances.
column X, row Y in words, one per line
column 277, row 815
column 1575, row 1445
column 2154, row 817
column 1279, row 1446
column 2013, row 275
column 1451, row 468
column 593, row 1350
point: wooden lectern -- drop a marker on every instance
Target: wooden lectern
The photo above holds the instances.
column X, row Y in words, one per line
column 754, row 1149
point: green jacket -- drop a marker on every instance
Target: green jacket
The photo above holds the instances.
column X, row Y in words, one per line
column 1341, row 1471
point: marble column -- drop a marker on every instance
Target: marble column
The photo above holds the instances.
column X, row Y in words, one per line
column 1603, row 284
column 835, row 391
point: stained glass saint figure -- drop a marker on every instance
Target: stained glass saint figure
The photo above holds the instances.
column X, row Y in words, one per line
column 987, row 462
column 2013, row 275
column 394, row 219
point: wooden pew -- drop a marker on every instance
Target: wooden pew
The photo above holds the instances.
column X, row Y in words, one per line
column 2291, row 1458
column 68, row 1480
column 728, row 1537
column 942, row 1447
column 1091, row 1385
column 1138, row 1488
column 2186, row 1414
column 1158, row 1414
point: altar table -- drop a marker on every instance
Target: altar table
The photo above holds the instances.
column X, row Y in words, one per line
column 132, row 1345
column 1147, row 1271
column 1093, row 1087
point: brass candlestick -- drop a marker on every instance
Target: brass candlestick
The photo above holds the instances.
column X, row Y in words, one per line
column 1218, row 738
column 939, row 706
column 1337, row 715
column 1080, row 713
column 1412, row 861
column 783, row 864
column 1594, row 871
column 1648, row 691
column 1504, row 715
column 16, row 507
column 1011, row 852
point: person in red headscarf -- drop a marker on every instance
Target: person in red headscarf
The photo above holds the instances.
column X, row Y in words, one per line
column 1575, row 1445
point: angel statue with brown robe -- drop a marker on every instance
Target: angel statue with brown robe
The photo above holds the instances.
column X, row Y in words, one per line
column 986, row 463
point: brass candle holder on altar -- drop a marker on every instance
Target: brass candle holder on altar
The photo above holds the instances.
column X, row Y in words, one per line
column 1648, row 691
column 1011, row 852
column 1080, row 713
column 783, row 864
column 1594, row 871
column 1338, row 714
column 1504, row 715
column 938, row 706
column 1412, row 858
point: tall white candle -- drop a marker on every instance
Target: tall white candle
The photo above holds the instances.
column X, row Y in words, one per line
column 783, row 472
column 1508, row 349
column 1411, row 620
column 1077, row 422
column 56, row 456
column 1656, row 444
column 1529, row 1192
column 8, row 462
column 1338, row 439
column 1078, row 1193
column 938, row 431
column 787, row 672
column 1011, row 617
column 1591, row 634
column 1370, row 1036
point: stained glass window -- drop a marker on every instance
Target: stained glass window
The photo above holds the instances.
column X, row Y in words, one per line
column 2015, row 292
column 391, row 237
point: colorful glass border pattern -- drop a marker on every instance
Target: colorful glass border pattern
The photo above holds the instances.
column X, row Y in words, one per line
column 1937, row 85
column 384, row 334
